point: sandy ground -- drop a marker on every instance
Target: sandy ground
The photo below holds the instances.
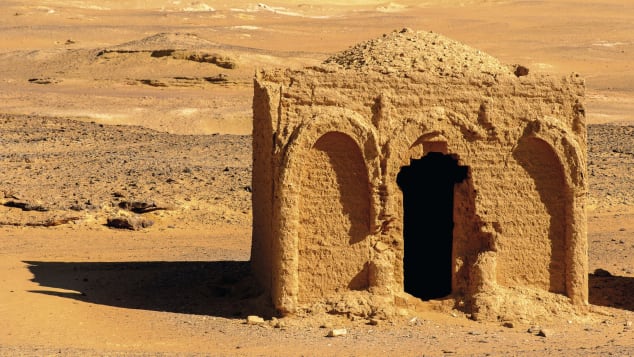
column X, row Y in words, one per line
column 107, row 103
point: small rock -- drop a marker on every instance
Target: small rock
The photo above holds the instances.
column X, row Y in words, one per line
column 254, row 320
column 373, row 322
column 25, row 206
column 602, row 273
column 520, row 70
column 381, row 247
column 475, row 333
column 545, row 333
column 534, row 329
column 628, row 323
column 336, row 332
column 508, row 324
column 278, row 323
column 132, row 223
column 138, row 207
column 77, row 207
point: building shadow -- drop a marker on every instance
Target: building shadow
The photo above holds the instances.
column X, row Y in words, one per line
column 612, row 291
column 217, row 288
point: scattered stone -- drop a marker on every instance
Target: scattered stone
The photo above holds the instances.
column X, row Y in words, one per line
column 142, row 207
column 381, row 247
column 520, row 70
column 53, row 222
column 138, row 207
column 9, row 194
column 602, row 273
column 373, row 322
column 277, row 323
column 534, row 329
column 219, row 78
column 43, row 80
column 628, row 323
column 132, row 223
column 25, row 206
column 475, row 333
column 77, row 207
column 337, row 332
column 508, row 324
column 254, row 320
column 153, row 82
column 545, row 333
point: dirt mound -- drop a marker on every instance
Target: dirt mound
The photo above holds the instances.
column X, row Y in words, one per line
column 166, row 41
column 405, row 50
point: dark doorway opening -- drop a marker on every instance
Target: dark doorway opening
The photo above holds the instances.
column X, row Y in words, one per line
column 428, row 194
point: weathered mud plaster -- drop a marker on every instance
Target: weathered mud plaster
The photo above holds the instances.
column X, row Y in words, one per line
column 329, row 144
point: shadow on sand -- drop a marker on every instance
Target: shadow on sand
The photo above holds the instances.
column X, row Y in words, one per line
column 220, row 288
column 612, row 291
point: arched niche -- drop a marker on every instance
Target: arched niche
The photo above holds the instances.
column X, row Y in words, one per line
column 327, row 124
column 533, row 249
column 334, row 219
column 573, row 162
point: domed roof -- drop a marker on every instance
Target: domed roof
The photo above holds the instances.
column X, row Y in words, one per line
column 407, row 50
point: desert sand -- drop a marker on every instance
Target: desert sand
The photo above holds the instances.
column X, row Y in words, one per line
column 107, row 107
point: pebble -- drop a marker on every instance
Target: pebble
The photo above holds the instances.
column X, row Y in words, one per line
column 545, row 333
column 254, row 320
column 508, row 324
column 380, row 247
column 336, row 332
column 534, row 329
column 132, row 223
column 602, row 273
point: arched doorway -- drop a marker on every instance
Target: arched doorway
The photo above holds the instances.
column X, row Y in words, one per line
column 428, row 195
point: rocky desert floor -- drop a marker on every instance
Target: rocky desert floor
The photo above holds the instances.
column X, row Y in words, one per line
column 140, row 111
